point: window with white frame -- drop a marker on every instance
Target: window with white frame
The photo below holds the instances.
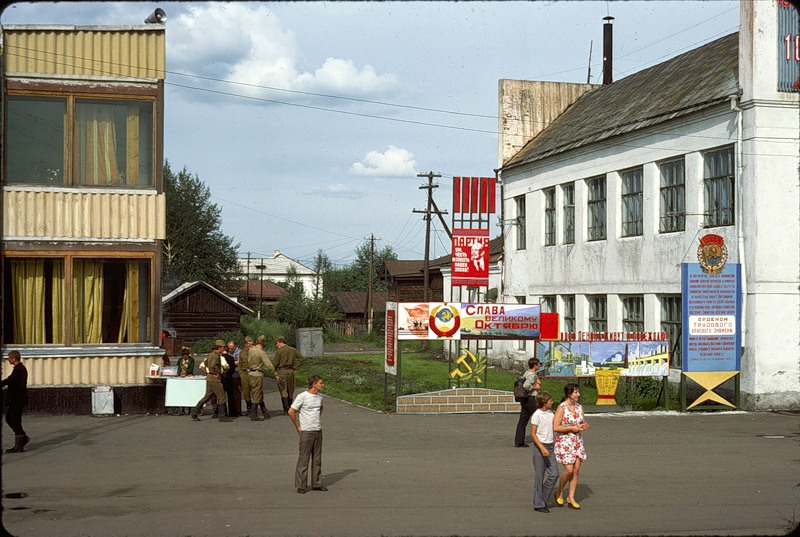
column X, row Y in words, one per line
column 596, row 206
column 109, row 298
column 569, row 313
column 598, row 316
column 519, row 222
column 547, row 304
column 673, row 196
column 69, row 140
column 569, row 213
column 633, row 313
column 671, row 321
column 550, row 216
column 718, row 187
column 632, row 202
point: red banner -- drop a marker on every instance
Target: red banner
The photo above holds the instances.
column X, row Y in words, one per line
column 474, row 194
column 470, row 264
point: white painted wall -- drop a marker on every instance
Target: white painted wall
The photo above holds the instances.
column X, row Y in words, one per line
column 763, row 127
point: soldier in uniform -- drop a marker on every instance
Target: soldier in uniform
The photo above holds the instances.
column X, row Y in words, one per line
column 287, row 359
column 214, row 371
column 244, row 368
column 257, row 361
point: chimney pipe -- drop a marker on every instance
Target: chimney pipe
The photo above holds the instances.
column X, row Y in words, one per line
column 608, row 42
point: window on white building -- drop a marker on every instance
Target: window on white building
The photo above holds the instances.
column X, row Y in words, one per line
column 550, row 217
column 718, row 187
column 673, row 196
column 632, row 203
column 569, row 213
column 598, row 316
column 569, row 313
column 633, row 313
column 597, row 208
column 548, row 304
column 521, row 342
column 519, row 202
column 671, row 324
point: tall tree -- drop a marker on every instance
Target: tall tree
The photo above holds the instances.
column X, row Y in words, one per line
column 355, row 277
column 195, row 248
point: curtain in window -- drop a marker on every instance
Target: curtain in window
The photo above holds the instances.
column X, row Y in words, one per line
column 88, row 296
column 58, row 302
column 27, row 288
column 129, row 324
column 96, row 145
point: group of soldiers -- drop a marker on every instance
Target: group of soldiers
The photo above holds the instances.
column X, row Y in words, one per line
column 253, row 364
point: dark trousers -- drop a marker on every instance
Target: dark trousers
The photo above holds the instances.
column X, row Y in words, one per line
column 310, row 451
column 527, row 408
column 233, row 389
column 14, row 418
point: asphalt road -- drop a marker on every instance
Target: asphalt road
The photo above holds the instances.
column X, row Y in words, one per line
column 732, row 473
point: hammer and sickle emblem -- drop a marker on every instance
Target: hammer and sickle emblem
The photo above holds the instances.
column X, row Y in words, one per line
column 464, row 361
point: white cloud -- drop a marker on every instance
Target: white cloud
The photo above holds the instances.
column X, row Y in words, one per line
column 394, row 162
column 247, row 43
column 336, row 191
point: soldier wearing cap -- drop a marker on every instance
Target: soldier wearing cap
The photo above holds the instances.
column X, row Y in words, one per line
column 287, row 359
column 214, row 370
column 244, row 368
column 258, row 361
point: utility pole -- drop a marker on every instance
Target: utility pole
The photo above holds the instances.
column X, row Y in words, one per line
column 430, row 186
column 247, row 282
column 368, row 309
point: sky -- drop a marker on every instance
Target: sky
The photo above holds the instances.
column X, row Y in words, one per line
column 310, row 122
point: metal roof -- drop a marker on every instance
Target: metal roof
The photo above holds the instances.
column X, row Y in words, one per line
column 693, row 81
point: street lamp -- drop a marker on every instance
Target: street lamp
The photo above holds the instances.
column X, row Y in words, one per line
column 260, row 288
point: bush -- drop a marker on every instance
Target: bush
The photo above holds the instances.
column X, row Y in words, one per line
column 254, row 327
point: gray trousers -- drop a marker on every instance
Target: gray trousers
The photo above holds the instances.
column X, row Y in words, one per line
column 546, row 475
column 310, row 451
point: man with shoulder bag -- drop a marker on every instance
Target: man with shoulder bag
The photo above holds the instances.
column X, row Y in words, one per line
column 527, row 404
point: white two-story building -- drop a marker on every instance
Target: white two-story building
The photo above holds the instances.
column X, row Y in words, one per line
column 603, row 205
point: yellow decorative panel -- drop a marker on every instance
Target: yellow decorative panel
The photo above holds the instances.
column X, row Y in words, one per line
column 86, row 51
column 60, row 215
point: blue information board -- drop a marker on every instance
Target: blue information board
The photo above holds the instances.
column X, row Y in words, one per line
column 712, row 305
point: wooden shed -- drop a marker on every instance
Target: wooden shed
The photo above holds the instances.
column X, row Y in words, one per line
column 406, row 280
column 197, row 310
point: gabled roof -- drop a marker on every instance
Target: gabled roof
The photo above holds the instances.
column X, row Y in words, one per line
column 189, row 286
column 262, row 289
column 273, row 266
column 693, row 81
column 402, row 268
column 351, row 302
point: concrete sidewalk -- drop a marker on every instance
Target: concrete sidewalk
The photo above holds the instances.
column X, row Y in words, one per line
column 731, row 473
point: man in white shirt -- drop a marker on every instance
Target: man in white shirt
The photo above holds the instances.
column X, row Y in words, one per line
column 305, row 413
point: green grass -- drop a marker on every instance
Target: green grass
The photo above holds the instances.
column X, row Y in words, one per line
column 360, row 380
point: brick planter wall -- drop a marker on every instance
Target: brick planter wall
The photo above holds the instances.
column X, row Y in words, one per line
column 464, row 400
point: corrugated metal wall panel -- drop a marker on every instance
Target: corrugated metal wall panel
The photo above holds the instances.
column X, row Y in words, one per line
column 83, row 215
column 126, row 53
column 85, row 370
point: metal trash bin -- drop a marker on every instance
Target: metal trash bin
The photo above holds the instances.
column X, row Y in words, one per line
column 102, row 401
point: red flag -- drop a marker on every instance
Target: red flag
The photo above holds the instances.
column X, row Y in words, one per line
column 548, row 326
column 492, row 189
column 475, row 193
column 456, row 194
